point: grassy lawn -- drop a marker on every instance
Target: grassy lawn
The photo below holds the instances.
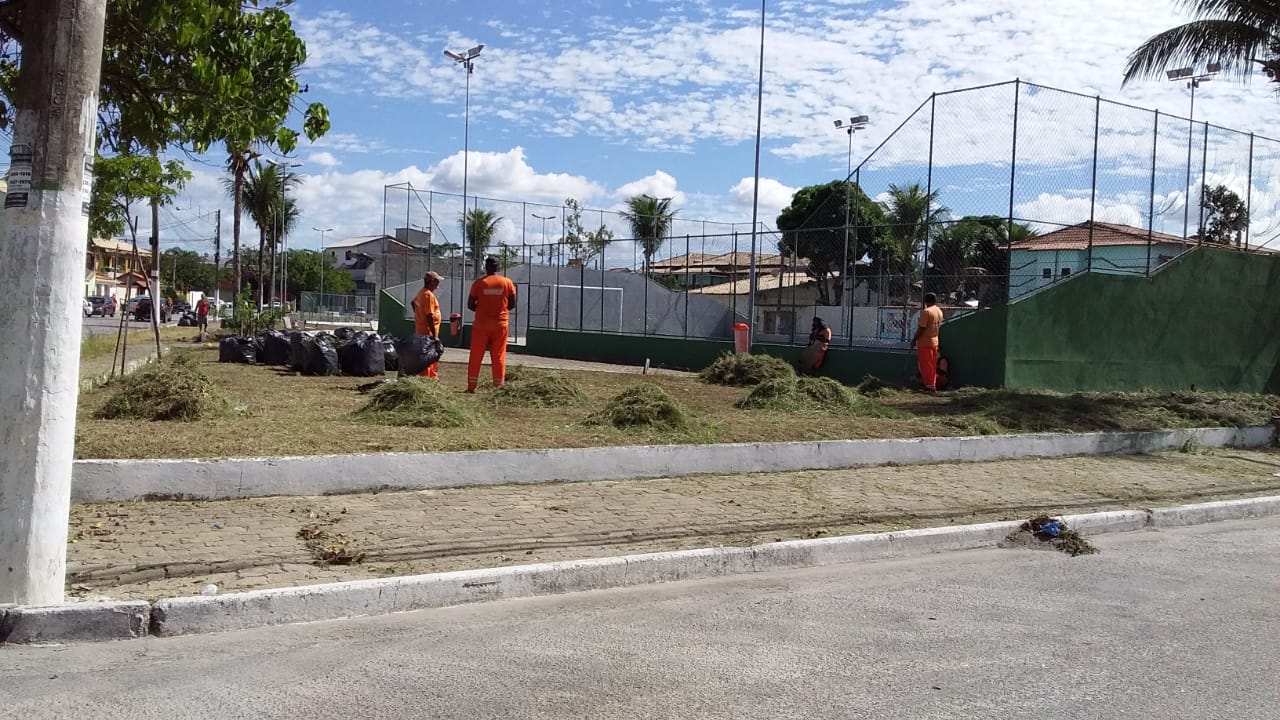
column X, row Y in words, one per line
column 280, row 413
column 96, row 346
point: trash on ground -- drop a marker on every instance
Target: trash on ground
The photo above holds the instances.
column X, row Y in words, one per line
column 1049, row 533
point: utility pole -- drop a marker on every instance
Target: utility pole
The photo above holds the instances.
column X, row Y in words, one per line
column 42, row 249
column 217, row 259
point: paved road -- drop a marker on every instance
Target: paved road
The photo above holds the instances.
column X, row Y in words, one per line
column 1174, row 624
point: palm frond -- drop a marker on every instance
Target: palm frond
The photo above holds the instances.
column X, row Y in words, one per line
column 1232, row 43
column 1263, row 14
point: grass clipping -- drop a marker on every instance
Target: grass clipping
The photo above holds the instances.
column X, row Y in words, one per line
column 535, row 388
column 172, row 389
column 642, row 406
column 418, row 402
column 745, row 370
column 810, row 395
column 1046, row 532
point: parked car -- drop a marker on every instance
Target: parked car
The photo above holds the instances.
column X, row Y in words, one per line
column 181, row 307
column 100, row 305
column 142, row 310
column 87, row 307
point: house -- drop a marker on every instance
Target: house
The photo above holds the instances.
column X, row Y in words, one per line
column 696, row 270
column 368, row 258
column 110, row 268
column 1043, row 260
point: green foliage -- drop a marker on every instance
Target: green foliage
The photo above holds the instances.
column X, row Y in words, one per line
column 650, row 219
column 304, row 271
column 813, row 228
column 248, row 320
column 970, row 255
column 744, row 370
column 640, row 406
column 120, row 181
column 1238, row 34
column 268, row 203
column 184, row 270
column 173, row 389
column 418, row 402
column 583, row 244
column 811, row 395
column 479, row 226
column 532, row 387
column 1226, row 217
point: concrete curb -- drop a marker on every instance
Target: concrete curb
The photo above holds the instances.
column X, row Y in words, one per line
column 126, row 480
column 239, row 611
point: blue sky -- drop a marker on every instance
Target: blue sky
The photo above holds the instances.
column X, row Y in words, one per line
column 602, row 99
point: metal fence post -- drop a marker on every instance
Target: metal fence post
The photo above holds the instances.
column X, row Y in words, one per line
column 686, row 286
column 1093, row 183
column 857, row 226
column 1013, row 170
column 1248, row 201
column 1204, row 167
column 1151, row 195
column 928, row 204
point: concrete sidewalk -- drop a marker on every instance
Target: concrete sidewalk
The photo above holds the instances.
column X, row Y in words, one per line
column 150, row 550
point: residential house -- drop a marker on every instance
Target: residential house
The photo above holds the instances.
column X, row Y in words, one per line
column 697, row 270
column 1043, row 260
column 372, row 260
column 111, row 269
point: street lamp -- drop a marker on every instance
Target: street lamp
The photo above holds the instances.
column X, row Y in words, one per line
column 544, row 219
column 1193, row 81
column 467, row 61
column 856, row 123
column 324, row 262
column 279, row 223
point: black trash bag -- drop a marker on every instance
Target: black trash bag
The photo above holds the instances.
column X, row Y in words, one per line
column 416, row 352
column 321, row 355
column 186, row 320
column 238, row 350
column 276, row 348
column 297, row 351
column 390, row 359
column 344, row 335
column 362, row 356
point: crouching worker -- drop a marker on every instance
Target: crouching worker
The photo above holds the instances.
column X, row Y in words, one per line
column 812, row 357
column 426, row 316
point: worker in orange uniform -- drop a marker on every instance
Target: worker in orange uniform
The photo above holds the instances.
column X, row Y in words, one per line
column 426, row 316
column 492, row 298
column 926, row 342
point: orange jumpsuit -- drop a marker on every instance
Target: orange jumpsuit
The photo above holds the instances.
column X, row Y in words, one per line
column 426, row 321
column 927, row 346
column 492, row 295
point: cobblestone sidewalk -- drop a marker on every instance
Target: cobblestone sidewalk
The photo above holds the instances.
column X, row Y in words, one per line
column 162, row 549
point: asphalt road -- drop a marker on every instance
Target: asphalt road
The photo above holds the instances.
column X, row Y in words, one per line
column 109, row 325
column 1174, row 624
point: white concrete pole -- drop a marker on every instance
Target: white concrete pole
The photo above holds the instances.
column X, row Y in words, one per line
column 42, row 250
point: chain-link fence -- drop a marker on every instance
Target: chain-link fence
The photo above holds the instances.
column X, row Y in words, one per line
column 319, row 309
column 980, row 196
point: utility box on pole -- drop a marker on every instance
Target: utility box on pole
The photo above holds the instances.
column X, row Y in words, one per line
column 42, row 250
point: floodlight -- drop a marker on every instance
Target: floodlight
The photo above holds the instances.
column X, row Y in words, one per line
column 860, row 120
column 474, row 51
column 453, row 55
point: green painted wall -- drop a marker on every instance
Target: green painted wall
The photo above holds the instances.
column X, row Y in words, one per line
column 975, row 345
column 662, row 352
column 391, row 319
column 1210, row 319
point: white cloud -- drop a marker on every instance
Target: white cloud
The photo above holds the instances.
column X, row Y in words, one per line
column 323, row 159
column 774, row 196
column 660, row 185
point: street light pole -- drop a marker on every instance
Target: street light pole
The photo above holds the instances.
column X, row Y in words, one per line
column 856, row 123
column 544, row 219
column 1193, row 82
column 279, row 229
column 324, row 263
column 467, row 61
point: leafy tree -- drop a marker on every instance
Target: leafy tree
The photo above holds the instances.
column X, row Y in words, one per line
column 268, row 204
column 507, row 255
column 479, row 226
column 1239, row 34
column 971, row 256
column 120, row 181
column 1225, row 215
column 813, row 228
column 304, row 274
column 182, row 271
column 583, row 244
column 650, row 219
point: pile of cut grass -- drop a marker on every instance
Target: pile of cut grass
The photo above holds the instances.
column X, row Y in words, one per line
column 174, row 389
column 745, row 370
column 418, row 402
column 537, row 388
column 810, row 395
column 643, row 406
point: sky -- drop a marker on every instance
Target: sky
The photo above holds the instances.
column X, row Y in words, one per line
column 600, row 100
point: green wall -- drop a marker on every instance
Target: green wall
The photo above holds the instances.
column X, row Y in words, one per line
column 662, row 352
column 391, row 319
column 1210, row 319
column 975, row 346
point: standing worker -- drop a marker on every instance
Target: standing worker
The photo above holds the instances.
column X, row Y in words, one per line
column 202, row 316
column 426, row 316
column 926, row 342
column 492, row 297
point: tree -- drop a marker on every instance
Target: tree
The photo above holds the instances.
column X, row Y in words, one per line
column 1225, row 215
column 583, row 244
column 304, row 274
column 267, row 202
column 479, row 226
column 1238, row 34
column 971, row 256
column 122, row 180
column 182, row 271
column 650, row 220
column 813, row 228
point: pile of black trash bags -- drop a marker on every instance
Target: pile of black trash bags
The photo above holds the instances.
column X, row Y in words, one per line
column 345, row 351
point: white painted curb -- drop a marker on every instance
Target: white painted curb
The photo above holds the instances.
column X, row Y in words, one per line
column 126, row 480
column 239, row 611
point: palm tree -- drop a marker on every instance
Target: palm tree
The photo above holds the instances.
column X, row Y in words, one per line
column 650, row 220
column 479, row 226
column 910, row 214
column 238, row 159
column 1235, row 33
column 267, row 201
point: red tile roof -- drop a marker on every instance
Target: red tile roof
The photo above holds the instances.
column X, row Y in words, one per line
column 1076, row 237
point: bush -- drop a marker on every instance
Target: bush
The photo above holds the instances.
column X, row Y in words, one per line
column 643, row 406
column 810, row 395
column 175, row 388
column 532, row 387
column 418, row 402
column 745, row 370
